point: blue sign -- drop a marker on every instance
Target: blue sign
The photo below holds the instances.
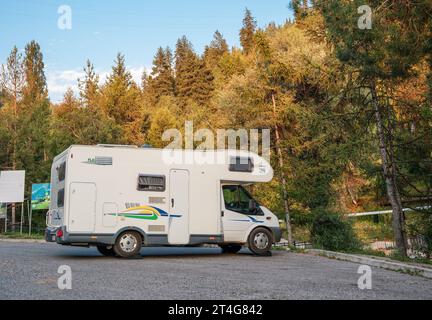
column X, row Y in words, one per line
column 41, row 196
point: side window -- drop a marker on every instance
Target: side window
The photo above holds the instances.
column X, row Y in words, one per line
column 237, row 199
column 244, row 199
column 151, row 183
column 61, row 171
column 230, row 194
column 60, row 198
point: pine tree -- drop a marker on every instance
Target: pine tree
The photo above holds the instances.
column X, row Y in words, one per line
column 34, row 137
column 70, row 102
column 383, row 57
column 161, row 81
column 74, row 123
column 12, row 81
column 214, row 52
column 119, row 73
column 121, row 100
column 35, row 88
column 164, row 118
column 116, row 90
column 300, row 8
column 194, row 80
column 247, row 32
column 33, row 119
column 145, row 78
column 12, row 77
column 89, row 86
column 186, row 63
column 36, row 114
column 204, row 84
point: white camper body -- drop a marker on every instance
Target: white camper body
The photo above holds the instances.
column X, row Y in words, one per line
column 124, row 196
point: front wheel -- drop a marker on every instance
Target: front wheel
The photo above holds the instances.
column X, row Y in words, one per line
column 260, row 241
column 128, row 244
column 230, row 248
column 107, row 251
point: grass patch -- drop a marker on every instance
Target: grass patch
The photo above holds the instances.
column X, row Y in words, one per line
column 395, row 255
column 17, row 235
column 368, row 252
column 280, row 248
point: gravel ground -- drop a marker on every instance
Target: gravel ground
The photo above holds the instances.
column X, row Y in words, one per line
column 29, row 271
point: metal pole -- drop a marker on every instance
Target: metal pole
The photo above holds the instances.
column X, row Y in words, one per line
column 6, row 218
column 28, row 210
column 30, row 219
column 22, row 217
column 13, row 214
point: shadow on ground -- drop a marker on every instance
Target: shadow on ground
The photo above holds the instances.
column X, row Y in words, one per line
column 149, row 252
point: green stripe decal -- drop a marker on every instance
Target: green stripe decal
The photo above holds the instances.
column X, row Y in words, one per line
column 140, row 216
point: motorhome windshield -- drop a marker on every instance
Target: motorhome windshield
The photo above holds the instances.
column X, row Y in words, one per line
column 238, row 199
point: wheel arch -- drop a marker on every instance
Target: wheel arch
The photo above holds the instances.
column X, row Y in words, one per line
column 254, row 227
column 130, row 228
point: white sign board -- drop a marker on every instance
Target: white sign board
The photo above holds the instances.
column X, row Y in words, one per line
column 12, row 186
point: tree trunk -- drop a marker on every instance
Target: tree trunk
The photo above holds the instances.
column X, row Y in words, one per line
column 389, row 171
column 14, row 151
column 282, row 175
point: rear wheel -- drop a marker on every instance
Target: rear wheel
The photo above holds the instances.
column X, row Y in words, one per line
column 106, row 250
column 260, row 241
column 230, row 248
column 128, row 244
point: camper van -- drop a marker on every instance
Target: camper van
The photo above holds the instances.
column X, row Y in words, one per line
column 120, row 198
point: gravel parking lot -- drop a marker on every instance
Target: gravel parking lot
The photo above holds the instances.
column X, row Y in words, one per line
column 30, row 271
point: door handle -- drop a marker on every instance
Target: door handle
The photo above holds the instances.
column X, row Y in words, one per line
column 222, row 213
column 172, row 203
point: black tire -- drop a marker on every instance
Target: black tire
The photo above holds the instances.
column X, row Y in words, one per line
column 107, row 251
column 230, row 248
column 260, row 241
column 128, row 244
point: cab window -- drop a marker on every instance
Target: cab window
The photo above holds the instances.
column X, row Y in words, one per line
column 237, row 199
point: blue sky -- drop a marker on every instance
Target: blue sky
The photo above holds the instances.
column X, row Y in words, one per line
column 101, row 28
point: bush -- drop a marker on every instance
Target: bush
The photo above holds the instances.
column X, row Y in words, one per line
column 329, row 231
column 419, row 225
column 369, row 231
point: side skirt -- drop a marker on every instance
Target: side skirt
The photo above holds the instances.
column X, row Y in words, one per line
column 150, row 240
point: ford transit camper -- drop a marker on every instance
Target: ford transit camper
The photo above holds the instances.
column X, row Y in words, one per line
column 120, row 198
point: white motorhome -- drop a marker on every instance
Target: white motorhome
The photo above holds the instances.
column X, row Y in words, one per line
column 120, row 198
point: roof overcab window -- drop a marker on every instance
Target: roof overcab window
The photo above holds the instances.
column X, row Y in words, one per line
column 241, row 164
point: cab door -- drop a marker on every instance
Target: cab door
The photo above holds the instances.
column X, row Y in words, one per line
column 237, row 217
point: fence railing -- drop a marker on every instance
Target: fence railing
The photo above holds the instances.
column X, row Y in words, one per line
column 417, row 246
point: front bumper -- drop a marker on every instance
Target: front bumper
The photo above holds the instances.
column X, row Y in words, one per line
column 277, row 234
